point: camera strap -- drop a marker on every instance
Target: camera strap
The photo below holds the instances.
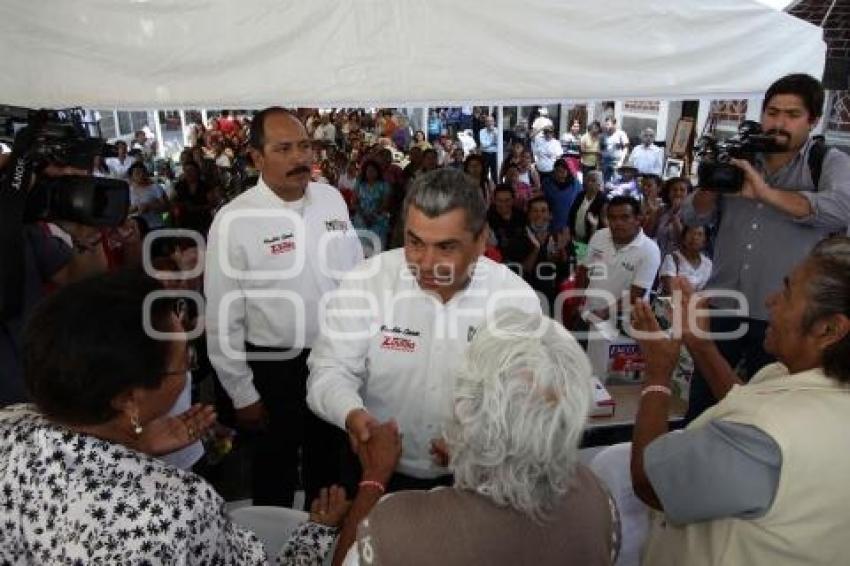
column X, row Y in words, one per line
column 14, row 187
column 817, row 154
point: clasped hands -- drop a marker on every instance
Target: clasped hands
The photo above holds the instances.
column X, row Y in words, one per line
column 378, row 445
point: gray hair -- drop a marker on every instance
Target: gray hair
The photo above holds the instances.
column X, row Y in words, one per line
column 437, row 192
column 829, row 295
column 521, row 400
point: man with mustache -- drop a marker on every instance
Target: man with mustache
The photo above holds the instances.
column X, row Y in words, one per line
column 273, row 252
column 773, row 223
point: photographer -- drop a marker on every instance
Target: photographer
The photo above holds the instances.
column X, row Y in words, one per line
column 51, row 214
column 787, row 203
column 55, row 254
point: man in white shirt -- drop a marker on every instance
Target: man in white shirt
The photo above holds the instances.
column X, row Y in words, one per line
column 119, row 166
column 394, row 334
column 273, row 253
column 621, row 262
column 616, row 148
column 648, row 158
column 489, row 138
column 325, row 131
column 547, row 149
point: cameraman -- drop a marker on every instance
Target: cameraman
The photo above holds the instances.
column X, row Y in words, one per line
column 54, row 254
column 773, row 222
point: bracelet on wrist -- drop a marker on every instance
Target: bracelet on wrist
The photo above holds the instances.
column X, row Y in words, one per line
column 656, row 389
column 375, row 484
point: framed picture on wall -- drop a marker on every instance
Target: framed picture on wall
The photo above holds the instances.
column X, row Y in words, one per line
column 674, row 168
column 681, row 137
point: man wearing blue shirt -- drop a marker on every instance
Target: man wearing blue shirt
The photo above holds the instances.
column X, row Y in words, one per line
column 560, row 190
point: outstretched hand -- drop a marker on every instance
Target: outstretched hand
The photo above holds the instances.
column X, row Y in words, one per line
column 380, row 455
column 330, row 507
column 172, row 432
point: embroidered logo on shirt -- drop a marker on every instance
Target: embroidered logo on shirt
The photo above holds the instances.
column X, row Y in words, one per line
column 280, row 244
column 398, row 344
column 336, row 225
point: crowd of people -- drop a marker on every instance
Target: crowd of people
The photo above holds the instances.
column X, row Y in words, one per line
column 384, row 321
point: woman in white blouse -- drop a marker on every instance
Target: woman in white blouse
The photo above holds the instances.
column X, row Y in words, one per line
column 687, row 261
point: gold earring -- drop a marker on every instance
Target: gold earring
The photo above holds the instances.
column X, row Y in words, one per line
column 137, row 426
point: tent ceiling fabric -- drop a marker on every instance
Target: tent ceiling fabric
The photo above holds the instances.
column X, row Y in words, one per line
column 224, row 53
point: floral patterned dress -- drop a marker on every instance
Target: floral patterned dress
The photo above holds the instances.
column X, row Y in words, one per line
column 70, row 498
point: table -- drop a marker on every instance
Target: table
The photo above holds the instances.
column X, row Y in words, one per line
column 603, row 431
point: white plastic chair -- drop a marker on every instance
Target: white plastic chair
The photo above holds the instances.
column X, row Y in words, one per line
column 611, row 465
column 272, row 525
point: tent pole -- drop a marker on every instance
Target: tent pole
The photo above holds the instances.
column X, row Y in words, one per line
column 424, row 121
column 160, row 143
column 562, row 117
column 183, row 128
column 500, row 128
column 661, row 122
column 702, row 116
column 753, row 109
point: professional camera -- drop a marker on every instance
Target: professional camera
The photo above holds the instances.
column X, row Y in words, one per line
column 58, row 138
column 33, row 187
column 715, row 172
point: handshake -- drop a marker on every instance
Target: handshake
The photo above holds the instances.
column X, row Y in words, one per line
column 378, row 445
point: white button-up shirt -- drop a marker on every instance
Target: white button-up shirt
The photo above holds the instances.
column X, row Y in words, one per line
column 648, row 160
column 268, row 265
column 546, row 152
column 388, row 347
column 117, row 168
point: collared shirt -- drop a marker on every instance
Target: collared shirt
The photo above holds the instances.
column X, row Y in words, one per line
column 388, row 347
column 117, row 168
column 757, row 245
column 648, row 160
column 615, row 269
column 268, row 266
column 546, row 152
column 489, row 140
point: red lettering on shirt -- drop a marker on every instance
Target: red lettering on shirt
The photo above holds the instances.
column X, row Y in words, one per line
column 398, row 344
column 282, row 247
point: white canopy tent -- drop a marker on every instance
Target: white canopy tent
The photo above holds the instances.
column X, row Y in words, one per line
column 335, row 53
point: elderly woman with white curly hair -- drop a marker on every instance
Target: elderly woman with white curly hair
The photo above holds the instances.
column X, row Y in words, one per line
column 520, row 494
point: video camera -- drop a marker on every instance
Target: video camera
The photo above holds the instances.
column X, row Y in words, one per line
column 33, row 188
column 60, row 138
column 715, row 172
